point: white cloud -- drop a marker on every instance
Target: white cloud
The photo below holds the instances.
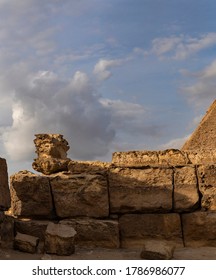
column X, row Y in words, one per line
column 44, row 103
column 201, row 91
column 181, row 47
column 102, row 68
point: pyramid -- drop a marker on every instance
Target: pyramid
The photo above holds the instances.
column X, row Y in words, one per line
column 204, row 137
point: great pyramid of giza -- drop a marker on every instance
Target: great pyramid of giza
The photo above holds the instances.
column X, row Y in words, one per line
column 204, row 137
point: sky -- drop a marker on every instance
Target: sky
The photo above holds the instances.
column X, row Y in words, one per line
column 110, row 76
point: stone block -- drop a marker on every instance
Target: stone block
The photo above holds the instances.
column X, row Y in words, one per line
column 90, row 167
column 186, row 195
column 32, row 227
column 199, row 229
column 207, row 186
column 4, row 187
column 157, row 250
column 26, row 243
column 207, row 156
column 59, row 239
column 30, row 195
column 7, row 231
column 80, row 195
column 135, row 158
column 52, row 153
column 95, row 233
column 170, row 157
column 136, row 229
column 140, row 190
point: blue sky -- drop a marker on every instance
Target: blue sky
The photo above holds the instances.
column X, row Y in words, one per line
column 109, row 75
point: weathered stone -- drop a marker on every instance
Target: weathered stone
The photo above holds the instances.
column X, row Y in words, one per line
column 136, row 229
column 26, row 243
column 90, row 167
column 201, row 156
column 7, row 229
column 59, row 239
column 135, row 158
column 186, row 196
column 52, row 153
column 49, row 166
column 203, row 138
column 35, row 228
column 95, row 233
column 30, row 195
column 80, row 195
column 207, row 186
column 140, row 190
column 157, row 250
column 170, row 157
column 4, row 188
column 199, row 229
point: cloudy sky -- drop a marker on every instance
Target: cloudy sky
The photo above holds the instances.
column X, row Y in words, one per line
column 109, row 75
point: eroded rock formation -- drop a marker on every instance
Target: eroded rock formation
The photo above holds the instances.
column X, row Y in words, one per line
column 52, row 153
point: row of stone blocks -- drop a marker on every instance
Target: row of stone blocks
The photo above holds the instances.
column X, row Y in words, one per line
column 101, row 193
column 127, row 231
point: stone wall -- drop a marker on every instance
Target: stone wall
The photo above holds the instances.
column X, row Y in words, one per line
column 140, row 196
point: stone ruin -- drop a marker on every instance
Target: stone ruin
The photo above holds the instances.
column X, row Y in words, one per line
column 155, row 200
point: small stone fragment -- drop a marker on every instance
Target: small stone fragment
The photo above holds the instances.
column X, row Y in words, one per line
column 157, row 250
column 60, row 239
column 26, row 243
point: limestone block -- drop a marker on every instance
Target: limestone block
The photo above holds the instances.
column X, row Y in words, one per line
column 30, row 195
column 207, row 156
column 4, row 188
column 32, row 227
column 140, row 190
column 6, row 231
column 170, row 157
column 186, row 196
column 90, row 167
column 49, row 166
column 199, row 229
column 59, row 239
column 52, row 153
column 136, row 229
column 157, row 250
column 80, row 195
column 26, row 243
column 135, row 158
column 207, row 186
column 95, row 233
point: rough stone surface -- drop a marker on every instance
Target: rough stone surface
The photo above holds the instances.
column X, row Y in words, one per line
column 207, row 186
column 204, row 136
column 26, row 243
column 157, row 250
column 186, row 196
column 170, row 157
column 201, row 156
column 80, row 195
column 95, row 233
column 59, row 239
column 4, row 188
column 136, row 229
column 52, row 153
column 140, row 190
column 30, row 195
column 90, row 167
column 32, row 227
column 7, row 232
column 199, row 229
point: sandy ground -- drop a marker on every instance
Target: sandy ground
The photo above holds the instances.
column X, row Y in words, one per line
column 203, row 253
